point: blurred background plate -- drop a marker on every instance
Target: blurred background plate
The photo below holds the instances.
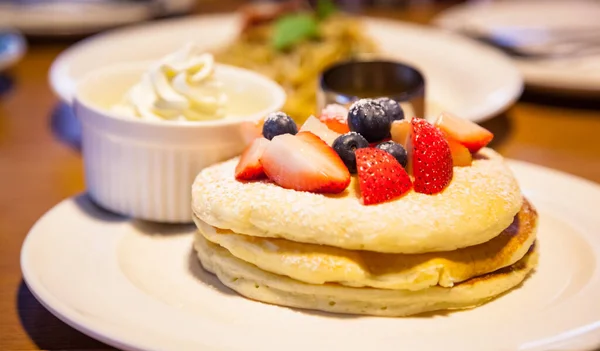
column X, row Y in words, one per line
column 462, row 76
column 81, row 17
column 541, row 28
column 12, row 47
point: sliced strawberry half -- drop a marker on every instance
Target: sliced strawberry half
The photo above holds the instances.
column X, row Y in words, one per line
column 469, row 134
column 336, row 118
column 400, row 131
column 304, row 162
column 431, row 158
column 251, row 130
column 318, row 128
column 461, row 156
column 381, row 177
column 249, row 167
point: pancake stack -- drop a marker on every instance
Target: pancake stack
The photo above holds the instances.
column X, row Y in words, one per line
column 457, row 249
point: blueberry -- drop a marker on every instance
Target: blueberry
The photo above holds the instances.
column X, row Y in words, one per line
column 346, row 144
column 367, row 117
column 395, row 150
column 391, row 108
column 278, row 123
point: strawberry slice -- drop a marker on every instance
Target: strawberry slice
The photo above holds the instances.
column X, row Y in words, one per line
column 431, row 158
column 381, row 177
column 469, row 134
column 461, row 156
column 400, row 131
column 318, row 128
column 335, row 118
column 304, row 162
column 249, row 167
column 251, row 130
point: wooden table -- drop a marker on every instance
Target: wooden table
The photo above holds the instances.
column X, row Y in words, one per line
column 40, row 167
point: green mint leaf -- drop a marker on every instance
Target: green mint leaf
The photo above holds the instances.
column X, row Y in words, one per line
column 292, row 29
column 325, row 8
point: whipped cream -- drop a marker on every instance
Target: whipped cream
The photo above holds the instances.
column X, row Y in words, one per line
column 181, row 86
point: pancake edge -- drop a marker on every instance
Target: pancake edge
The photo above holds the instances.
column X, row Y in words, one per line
column 251, row 282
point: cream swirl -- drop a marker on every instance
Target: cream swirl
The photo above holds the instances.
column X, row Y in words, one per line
column 181, row 86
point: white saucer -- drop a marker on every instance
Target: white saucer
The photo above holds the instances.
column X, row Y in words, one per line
column 571, row 75
column 462, row 76
column 138, row 286
column 63, row 17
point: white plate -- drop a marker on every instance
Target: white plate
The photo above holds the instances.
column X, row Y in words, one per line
column 12, row 47
column 581, row 74
column 136, row 285
column 462, row 76
column 57, row 18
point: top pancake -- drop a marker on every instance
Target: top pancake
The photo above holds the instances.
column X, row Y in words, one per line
column 480, row 202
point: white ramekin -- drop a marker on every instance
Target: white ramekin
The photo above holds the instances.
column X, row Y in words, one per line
column 145, row 169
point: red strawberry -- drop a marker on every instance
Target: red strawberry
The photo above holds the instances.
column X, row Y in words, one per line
column 336, row 118
column 431, row 158
column 381, row 178
column 304, row 162
column 249, row 167
column 471, row 135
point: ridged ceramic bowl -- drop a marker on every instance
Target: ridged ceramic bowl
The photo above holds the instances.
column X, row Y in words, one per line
column 145, row 169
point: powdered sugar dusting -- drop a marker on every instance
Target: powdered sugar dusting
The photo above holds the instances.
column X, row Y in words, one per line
column 361, row 103
column 275, row 116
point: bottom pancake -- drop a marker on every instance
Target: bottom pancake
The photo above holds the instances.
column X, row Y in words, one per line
column 254, row 283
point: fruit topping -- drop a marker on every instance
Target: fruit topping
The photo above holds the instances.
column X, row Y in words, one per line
column 381, row 178
column 277, row 123
column 251, row 130
column 391, row 108
column 396, row 150
column 346, row 145
column 382, row 148
column 249, row 167
column 367, row 117
column 468, row 133
column 336, row 118
column 461, row 156
column 431, row 158
column 313, row 125
column 401, row 132
column 304, row 162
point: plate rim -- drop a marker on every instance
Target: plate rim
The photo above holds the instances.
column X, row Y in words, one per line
column 553, row 85
column 144, row 13
column 69, row 316
column 512, row 88
column 49, row 302
column 516, row 86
